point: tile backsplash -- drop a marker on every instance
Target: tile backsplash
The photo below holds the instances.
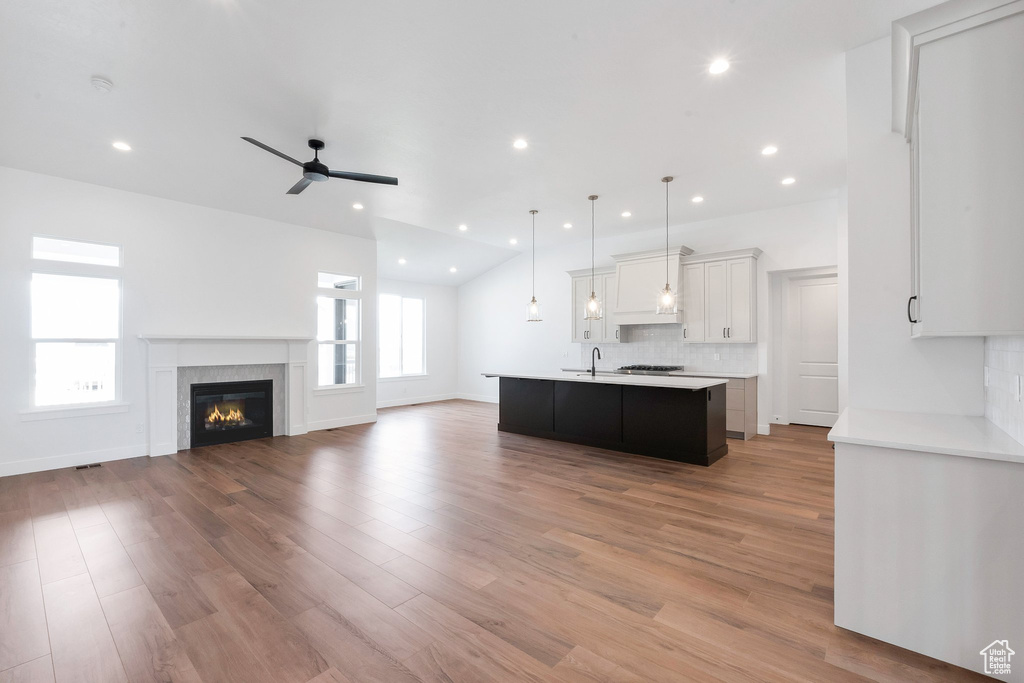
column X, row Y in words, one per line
column 663, row 345
column 1004, row 361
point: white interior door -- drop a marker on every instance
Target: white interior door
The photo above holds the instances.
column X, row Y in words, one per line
column 814, row 351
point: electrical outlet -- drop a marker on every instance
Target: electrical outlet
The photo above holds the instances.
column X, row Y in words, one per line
column 140, row 428
column 718, row 356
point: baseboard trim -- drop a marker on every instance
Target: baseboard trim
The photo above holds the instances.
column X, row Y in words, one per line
column 478, row 397
column 413, row 400
column 764, row 430
column 57, row 462
column 341, row 422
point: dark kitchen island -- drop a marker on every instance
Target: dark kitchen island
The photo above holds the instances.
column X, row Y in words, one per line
column 675, row 418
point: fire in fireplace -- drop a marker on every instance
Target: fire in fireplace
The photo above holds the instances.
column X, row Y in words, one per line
column 231, row 411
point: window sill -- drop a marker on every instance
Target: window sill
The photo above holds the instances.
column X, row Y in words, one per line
column 339, row 389
column 78, row 410
column 403, row 378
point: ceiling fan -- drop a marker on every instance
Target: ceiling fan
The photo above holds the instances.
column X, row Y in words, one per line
column 316, row 172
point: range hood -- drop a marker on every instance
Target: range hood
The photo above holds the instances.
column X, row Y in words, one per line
column 639, row 277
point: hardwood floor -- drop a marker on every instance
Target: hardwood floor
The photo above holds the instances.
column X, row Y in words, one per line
column 429, row 547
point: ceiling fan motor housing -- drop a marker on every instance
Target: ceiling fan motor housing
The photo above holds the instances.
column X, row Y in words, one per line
column 315, row 171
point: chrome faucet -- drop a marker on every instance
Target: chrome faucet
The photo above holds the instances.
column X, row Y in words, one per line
column 593, row 363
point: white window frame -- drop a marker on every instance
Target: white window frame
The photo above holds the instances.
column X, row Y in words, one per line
column 43, row 266
column 401, row 339
column 351, row 295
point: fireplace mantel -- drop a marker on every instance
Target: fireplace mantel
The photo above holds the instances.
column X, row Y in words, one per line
column 167, row 352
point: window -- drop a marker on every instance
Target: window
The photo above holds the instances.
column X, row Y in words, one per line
column 76, row 321
column 400, row 336
column 337, row 329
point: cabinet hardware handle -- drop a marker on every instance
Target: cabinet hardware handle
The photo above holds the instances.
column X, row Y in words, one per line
column 723, row 333
column 616, row 334
column 684, row 333
column 909, row 302
column 728, row 332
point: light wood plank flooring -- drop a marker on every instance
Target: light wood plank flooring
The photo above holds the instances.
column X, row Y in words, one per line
column 429, row 547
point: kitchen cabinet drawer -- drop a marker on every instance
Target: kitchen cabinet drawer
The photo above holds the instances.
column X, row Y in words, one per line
column 734, row 420
column 737, row 383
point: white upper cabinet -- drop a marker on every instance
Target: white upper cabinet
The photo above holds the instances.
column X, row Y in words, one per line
column 959, row 98
column 639, row 279
column 691, row 302
column 603, row 331
column 716, row 310
column 609, row 330
column 720, row 293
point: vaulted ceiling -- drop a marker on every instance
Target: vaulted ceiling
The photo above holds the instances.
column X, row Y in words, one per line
column 610, row 96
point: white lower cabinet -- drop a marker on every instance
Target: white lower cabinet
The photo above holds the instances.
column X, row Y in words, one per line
column 719, row 297
column 603, row 331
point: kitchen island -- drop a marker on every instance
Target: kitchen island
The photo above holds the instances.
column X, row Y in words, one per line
column 676, row 418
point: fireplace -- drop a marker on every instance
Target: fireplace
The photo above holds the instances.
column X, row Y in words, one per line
column 231, row 411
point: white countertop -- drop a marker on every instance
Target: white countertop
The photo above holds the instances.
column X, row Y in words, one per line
column 692, row 383
column 963, row 435
column 679, row 373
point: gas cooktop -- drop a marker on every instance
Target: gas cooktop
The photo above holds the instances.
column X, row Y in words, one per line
column 648, row 369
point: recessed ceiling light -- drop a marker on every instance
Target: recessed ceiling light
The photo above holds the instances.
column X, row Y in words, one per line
column 463, row 227
column 357, row 206
column 452, row 269
column 626, row 214
column 788, row 181
column 567, row 226
column 401, row 261
column 520, row 144
column 697, row 199
column 769, row 150
column 719, row 66
column 123, row 146
column 513, row 241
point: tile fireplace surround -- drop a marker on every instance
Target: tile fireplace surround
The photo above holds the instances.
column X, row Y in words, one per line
column 167, row 354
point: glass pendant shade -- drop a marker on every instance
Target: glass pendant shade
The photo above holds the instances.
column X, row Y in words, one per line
column 533, row 311
column 666, row 302
column 594, row 309
column 666, row 298
column 533, row 308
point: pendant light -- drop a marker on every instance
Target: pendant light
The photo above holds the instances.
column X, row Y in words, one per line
column 533, row 308
column 666, row 297
column 593, row 309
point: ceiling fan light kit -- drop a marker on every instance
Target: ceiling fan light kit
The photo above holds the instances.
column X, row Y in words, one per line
column 316, row 171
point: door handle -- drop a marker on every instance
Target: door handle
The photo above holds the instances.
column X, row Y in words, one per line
column 909, row 302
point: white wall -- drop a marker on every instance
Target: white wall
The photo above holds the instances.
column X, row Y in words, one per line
column 494, row 334
column 187, row 270
column 441, row 311
column 888, row 370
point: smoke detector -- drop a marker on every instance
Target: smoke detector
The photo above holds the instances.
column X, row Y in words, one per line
column 102, row 84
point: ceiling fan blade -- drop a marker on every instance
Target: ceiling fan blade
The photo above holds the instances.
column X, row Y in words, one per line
column 364, row 177
column 299, row 186
column 273, row 151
